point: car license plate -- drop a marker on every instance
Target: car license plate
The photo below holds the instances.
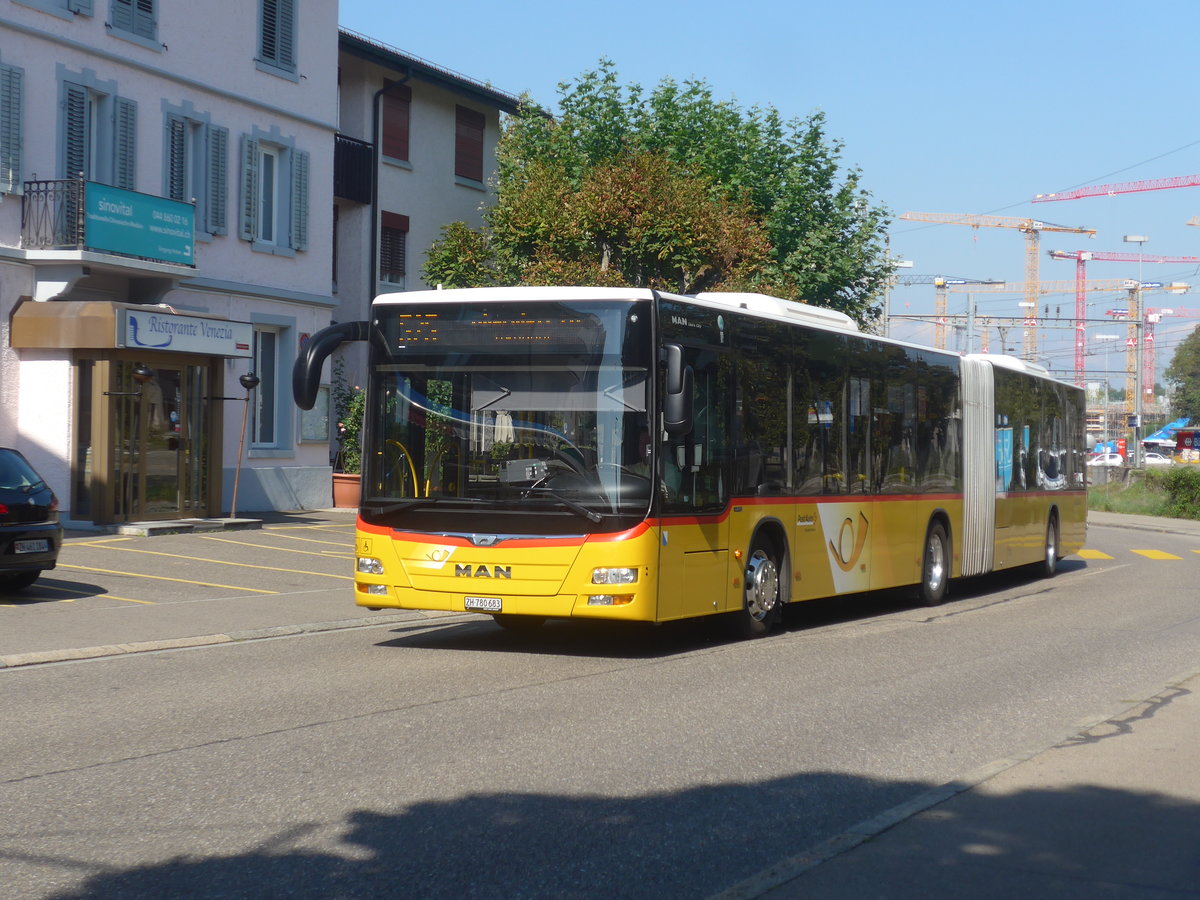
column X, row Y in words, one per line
column 39, row 546
column 485, row 604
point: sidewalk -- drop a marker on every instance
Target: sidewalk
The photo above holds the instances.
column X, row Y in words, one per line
column 1112, row 811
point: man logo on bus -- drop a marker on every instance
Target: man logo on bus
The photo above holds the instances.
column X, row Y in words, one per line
column 852, row 539
column 466, row 570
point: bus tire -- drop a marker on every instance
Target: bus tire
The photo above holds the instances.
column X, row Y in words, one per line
column 935, row 566
column 762, row 598
column 1049, row 564
column 519, row 624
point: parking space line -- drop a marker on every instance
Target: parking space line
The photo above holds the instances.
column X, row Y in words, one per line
column 1156, row 554
column 292, row 537
column 226, row 562
column 231, row 587
column 345, row 553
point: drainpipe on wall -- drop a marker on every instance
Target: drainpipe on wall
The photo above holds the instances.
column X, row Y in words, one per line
column 376, row 159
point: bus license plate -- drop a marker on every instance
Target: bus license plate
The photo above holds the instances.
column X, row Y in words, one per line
column 486, row 604
column 40, row 546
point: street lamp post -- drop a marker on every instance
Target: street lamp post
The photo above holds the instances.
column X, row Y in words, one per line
column 249, row 381
column 1139, row 349
column 1105, row 339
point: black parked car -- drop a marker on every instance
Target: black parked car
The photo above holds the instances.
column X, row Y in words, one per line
column 30, row 534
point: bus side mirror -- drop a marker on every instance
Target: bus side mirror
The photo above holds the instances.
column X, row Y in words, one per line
column 677, row 399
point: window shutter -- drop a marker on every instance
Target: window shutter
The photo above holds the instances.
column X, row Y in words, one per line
column 397, row 106
column 122, row 15
column 75, row 131
column 298, row 239
column 393, row 245
column 248, row 228
column 80, row 6
column 217, row 205
column 177, row 158
column 144, row 24
column 279, row 33
column 468, row 143
column 10, row 128
column 125, row 144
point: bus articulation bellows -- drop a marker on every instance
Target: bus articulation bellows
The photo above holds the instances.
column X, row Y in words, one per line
column 608, row 453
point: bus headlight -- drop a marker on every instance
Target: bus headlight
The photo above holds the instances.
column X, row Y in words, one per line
column 614, row 576
column 369, row 565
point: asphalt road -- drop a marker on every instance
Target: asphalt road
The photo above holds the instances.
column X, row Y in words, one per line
column 447, row 758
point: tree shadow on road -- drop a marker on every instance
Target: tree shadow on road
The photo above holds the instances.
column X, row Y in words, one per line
column 697, row 843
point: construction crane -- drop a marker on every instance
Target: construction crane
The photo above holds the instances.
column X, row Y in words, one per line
column 1081, row 258
column 1151, row 318
column 1124, row 187
column 1032, row 229
column 940, row 284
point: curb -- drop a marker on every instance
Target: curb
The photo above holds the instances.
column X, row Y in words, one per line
column 44, row 657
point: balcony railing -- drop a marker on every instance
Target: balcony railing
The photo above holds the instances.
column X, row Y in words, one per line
column 52, row 215
column 352, row 162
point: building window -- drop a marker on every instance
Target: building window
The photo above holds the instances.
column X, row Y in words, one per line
column 197, row 170
column 277, row 35
column 274, row 204
column 135, row 18
column 11, row 84
column 266, row 353
column 393, row 240
column 99, row 136
column 397, row 106
column 468, row 144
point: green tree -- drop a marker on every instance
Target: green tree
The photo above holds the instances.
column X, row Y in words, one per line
column 1183, row 374
column 676, row 189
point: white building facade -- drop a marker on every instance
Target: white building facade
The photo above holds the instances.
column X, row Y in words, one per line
column 166, row 207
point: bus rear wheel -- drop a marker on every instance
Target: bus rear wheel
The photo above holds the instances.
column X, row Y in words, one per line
column 935, row 566
column 1050, row 557
column 762, row 604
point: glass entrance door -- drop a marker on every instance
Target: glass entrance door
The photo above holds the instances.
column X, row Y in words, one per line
column 160, row 428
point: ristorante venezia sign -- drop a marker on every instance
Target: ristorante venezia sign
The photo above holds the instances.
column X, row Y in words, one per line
column 158, row 330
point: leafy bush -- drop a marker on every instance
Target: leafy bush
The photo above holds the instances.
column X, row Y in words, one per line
column 1182, row 484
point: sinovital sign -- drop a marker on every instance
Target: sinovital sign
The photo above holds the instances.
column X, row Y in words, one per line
column 153, row 329
column 133, row 224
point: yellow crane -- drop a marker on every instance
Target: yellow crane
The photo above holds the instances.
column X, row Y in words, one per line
column 1032, row 229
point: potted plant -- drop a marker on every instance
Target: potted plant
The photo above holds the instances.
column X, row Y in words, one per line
column 350, row 403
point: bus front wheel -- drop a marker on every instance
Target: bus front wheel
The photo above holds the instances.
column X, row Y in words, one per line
column 935, row 567
column 763, row 601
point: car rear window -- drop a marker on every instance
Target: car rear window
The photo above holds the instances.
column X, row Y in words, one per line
column 15, row 472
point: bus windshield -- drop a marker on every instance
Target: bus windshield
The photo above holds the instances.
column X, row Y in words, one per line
column 504, row 409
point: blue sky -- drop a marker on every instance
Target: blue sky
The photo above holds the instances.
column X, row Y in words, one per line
column 943, row 106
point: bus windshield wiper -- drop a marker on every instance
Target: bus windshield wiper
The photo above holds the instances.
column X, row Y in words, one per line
column 590, row 514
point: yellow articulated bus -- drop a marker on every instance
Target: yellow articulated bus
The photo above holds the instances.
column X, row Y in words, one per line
column 609, row 453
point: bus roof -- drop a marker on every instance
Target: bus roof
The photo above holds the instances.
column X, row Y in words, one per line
column 755, row 304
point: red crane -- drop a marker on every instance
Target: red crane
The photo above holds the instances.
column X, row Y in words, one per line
column 1081, row 257
column 1124, row 187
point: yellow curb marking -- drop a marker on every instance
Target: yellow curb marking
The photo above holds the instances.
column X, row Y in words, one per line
column 1156, row 554
column 230, row 587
